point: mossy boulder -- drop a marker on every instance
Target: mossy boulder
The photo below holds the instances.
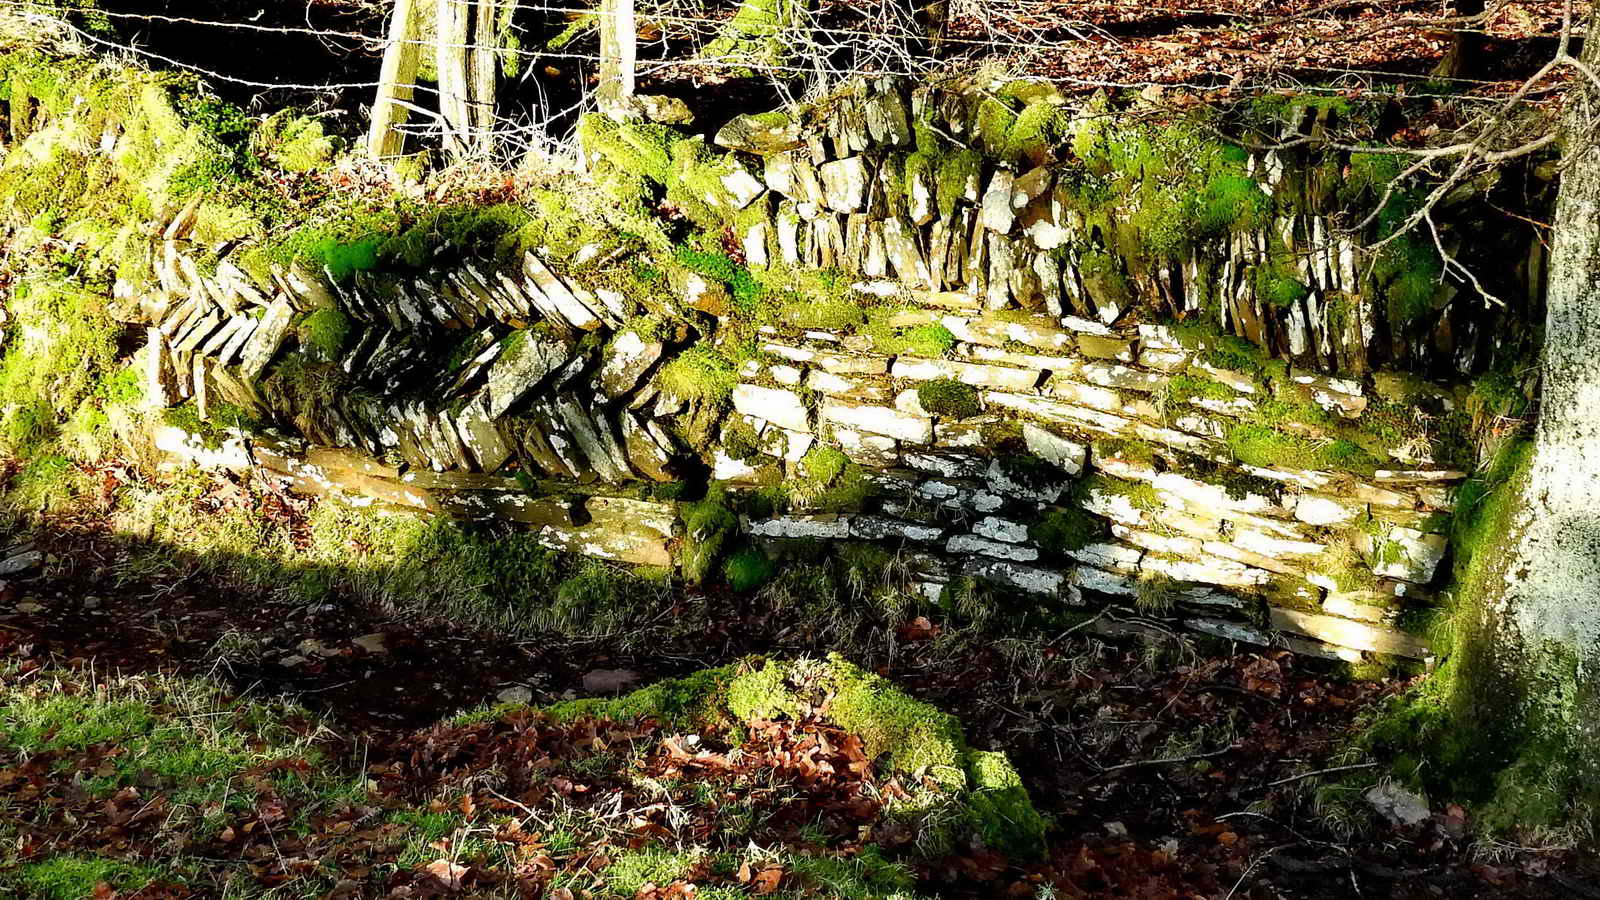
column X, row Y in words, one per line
column 904, row 735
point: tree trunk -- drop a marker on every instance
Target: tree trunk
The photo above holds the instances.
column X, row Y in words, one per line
column 455, row 88
column 1555, row 591
column 618, row 53
column 1544, row 626
column 483, row 69
column 1466, row 45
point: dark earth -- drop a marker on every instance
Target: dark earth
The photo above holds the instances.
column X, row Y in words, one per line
column 1169, row 773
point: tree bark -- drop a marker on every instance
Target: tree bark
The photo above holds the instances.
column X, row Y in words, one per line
column 1550, row 606
column 618, row 55
column 401, row 59
column 483, row 69
column 1555, row 593
column 455, row 88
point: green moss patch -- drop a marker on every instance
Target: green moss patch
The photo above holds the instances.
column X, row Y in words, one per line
column 908, row 736
column 949, row 398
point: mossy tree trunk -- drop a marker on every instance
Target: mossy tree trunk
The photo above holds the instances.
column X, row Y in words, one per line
column 760, row 34
column 618, row 50
column 1543, row 604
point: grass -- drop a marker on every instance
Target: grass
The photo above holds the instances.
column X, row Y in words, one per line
column 215, row 762
column 78, row 877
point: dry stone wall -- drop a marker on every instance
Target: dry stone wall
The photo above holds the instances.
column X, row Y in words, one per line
column 1058, row 442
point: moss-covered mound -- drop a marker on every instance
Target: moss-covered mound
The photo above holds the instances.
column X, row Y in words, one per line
column 956, row 791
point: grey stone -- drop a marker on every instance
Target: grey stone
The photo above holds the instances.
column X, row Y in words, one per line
column 996, row 529
column 1047, row 445
column 1229, row 631
column 997, row 213
column 664, row 110
column 844, row 184
column 1398, row 805
column 644, row 450
column 904, row 255
column 267, row 338
column 482, row 436
column 527, row 360
column 517, row 695
column 1033, row 579
column 626, row 361
column 20, row 562
column 972, row 543
column 632, row 531
column 888, row 119
column 1002, row 482
column 763, row 134
column 826, row 526
column 571, row 308
column 878, row 528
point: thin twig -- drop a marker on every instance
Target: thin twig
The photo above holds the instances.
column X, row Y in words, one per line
column 1351, row 768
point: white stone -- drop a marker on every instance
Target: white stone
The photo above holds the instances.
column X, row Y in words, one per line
column 788, row 375
column 1398, row 805
column 996, row 529
column 867, row 449
column 880, row 420
column 1420, row 555
column 1157, row 543
column 1314, row 510
column 1033, row 579
column 1114, row 506
column 826, row 526
column 1089, row 578
column 1115, row 557
column 1256, row 542
column 976, row 374
column 1159, row 337
column 783, row 408
column 726, row 468
column 844, row 184
column 910, row 402
column 971, row 543
column 1069, row 456
column 743, row 187
column 877, row 528
column 1085, row 326
column 1220, row 572
column 997, row 214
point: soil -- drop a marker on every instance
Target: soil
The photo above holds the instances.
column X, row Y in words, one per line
column 1170, row 777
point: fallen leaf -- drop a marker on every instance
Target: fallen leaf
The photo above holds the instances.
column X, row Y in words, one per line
column 448, row 873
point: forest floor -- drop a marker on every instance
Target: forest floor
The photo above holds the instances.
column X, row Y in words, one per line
column 164, row 733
